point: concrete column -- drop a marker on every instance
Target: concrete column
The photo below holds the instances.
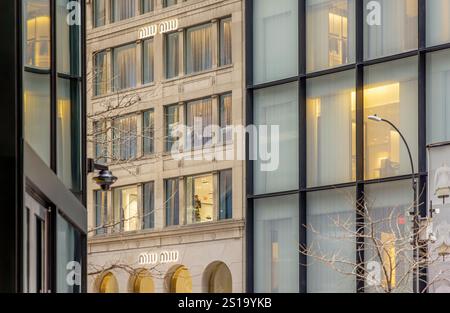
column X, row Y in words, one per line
column 139, row 60
column 215, row 42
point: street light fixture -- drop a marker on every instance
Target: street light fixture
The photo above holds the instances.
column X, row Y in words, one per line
column 415, row 211
column 105, row 178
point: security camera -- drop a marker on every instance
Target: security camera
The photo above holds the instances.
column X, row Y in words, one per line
column 105, row 179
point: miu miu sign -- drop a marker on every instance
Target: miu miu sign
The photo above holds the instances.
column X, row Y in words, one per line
column 162, row 257
column 163, row 27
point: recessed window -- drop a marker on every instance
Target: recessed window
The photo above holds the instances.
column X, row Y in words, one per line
column 198, row 122
column 147, row 6
column 330, row 31
column 199, row 199
column 148, row 61
column 99, row 12
column 122, row 9
column 226, row 118
column 100, row 141
column 168, row 3
column 100, row 73
column 124, row 70
column 37, row 33
column 125, row 138
column 148, row 208
column 199, row 48
column 172, row 55
column 148, row 132
column 172, row 120
column 225, row 195
column 126, row 213
column 171, row 203
column 225, row 42
column 101, row 212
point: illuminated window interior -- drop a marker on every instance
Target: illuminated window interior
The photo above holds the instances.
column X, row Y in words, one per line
column 338, row 35
column 109, row 284
column 382, row 148
column 126, row 202
column 181, row 281
column 200, row 199
column 37, row 34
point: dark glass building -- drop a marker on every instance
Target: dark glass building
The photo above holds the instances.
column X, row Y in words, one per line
column 42, row 119
column 319, row 68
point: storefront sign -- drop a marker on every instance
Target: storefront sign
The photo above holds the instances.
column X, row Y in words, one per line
column 162, row 257
column 163, row 27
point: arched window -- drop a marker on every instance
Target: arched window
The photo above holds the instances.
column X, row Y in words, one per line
column 181, row 281
column 218, row 278
column 143, row 283
column 109, row 284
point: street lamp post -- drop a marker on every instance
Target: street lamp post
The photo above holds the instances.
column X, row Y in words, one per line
column 415, row 211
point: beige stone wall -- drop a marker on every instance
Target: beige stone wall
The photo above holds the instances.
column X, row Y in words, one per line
column 227, row 236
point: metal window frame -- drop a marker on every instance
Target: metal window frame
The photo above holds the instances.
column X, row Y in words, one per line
column 421, row 52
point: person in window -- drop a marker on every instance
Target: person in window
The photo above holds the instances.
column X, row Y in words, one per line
column 197, row 207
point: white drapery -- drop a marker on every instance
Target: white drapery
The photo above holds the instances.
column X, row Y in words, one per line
column 199, row 48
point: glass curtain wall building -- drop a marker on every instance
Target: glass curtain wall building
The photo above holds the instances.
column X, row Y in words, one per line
column 44, row 227
column 319, row 68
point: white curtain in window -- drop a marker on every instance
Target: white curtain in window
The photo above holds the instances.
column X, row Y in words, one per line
column 275, row 39
column 397, row 31
column 325, row 238
column 199, row 116
column 99, row 13
column 226, row 118
column 125, row 138
column 331, row 121
column 123, row 9
column 172, row 55
column 225, row 42
column 277, row 107
column 100, row 73
column 276, row 246
column 199, row 48
column 125, row 67
column 148, row 61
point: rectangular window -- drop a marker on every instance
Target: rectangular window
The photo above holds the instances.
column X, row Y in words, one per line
column 172, row 120
column 148, row 132
column 277, row 107
column 392, row 30
column 36, row 110
column 68, row 40
column 198, row 118
column 276, row 249
column 126, row 213
column 68, row 126
column 199, row 199
column 199, row 48
column 122, row 9
column 438, row 17
column 438, row 96
column 37, row 33
column 168, row 3
column 148, row 61
column 147, row 6
column 171, row 202
column 100, row 142
column 388, row 206
column 225, row 42
column 390, row 91
column 148, row 212
column 124, row 70
column 329, row 216
column 100, row 73
column 330, row 31
column 226, row 118
column 172, row 58
column 331, row 129
column 99, row 12
column 225, row 195
column 101, row 212
column 275, row 40
column 125, row 138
